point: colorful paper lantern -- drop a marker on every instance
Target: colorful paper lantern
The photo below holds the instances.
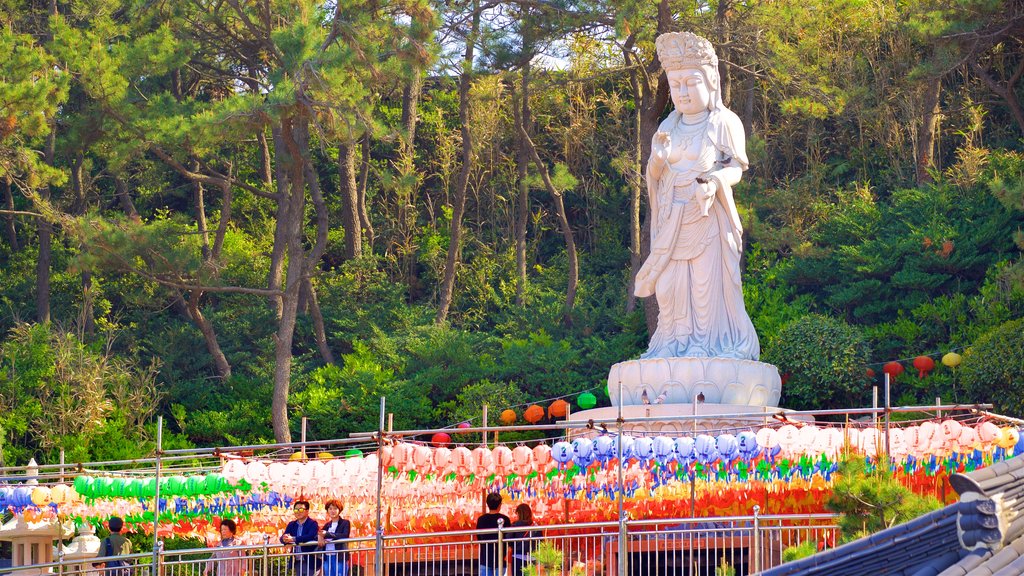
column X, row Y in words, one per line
column 533, row 414
column 893, row 369
column 462, row 426
column 508, row 417
column 441, row 439
column 586, row 400
column 924, row 365
column 558, row 409
column 951, row 360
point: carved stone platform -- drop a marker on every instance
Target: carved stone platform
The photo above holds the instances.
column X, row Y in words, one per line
column 728, row 381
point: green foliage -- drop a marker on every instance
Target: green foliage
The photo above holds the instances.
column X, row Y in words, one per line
column 60, row 393
column 802, row 550
column 825, row 359
column 993, row 368
column 870, row 501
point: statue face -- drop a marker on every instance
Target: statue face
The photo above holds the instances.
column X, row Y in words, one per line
column 690, row 91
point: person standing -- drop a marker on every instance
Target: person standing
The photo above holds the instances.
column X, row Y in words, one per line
column 227, row 560
column 334, row 529
column 116, row 544
column 302, row 534
column 490, row 555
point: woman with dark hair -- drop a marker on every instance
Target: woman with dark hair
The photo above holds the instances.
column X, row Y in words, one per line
column 227, row 559
column 523, row 541
column 334, row 529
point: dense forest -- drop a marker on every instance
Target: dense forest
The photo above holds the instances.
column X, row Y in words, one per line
column 240, row 213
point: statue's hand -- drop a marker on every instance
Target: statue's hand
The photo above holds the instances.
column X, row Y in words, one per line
column 706, row 188
column 662, row 145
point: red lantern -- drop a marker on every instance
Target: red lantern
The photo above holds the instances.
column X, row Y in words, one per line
column 533, row 414
column 508, row 417
column 924, row 365
column 462, row 426
column 558, row 409
column 785, row 378
column 893, row 369
column 871, row 373
column 440, row 440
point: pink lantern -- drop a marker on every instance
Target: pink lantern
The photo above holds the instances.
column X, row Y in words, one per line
column 422, row 458
column 968, row 439
column 483, row 462
column 462, row 461
column 951, row 430
column 386, row 454
column 401, row 455
column 442, row 459
column 462, row 426
column 988, row 432
column 542, row 455
column 503, row 459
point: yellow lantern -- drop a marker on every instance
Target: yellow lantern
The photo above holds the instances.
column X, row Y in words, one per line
column 41, row 496
column 951, row 360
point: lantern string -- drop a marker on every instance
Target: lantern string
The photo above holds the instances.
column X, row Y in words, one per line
column 938, row 354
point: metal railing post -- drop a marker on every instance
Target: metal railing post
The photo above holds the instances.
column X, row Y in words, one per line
column 156, row 495
column 265, row 569
column 757, row 539
column 621, row 495
column 501, row 546
column 379, row 544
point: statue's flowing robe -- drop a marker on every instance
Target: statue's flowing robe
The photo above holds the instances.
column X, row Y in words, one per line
column 694, row 265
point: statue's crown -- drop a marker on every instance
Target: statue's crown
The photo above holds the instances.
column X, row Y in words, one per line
column 678, row 50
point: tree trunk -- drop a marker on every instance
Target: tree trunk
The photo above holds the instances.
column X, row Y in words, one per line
column 350, row 219
column 455, row 243
column 220, row 361
column 290, row 227
column 295, row 138
column 280, row 219
column 125, row 199
column 364, row 177
column 319, row 333
column 45, row 247
column 12, row 231
column 926, row 132
column 521, row 118
column 724, row 37
column 266, row 166
column 86, row 320
column 636, row 183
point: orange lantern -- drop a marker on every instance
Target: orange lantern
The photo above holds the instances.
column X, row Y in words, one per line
column 533, row 414
column 558, row 409
column 508, row 417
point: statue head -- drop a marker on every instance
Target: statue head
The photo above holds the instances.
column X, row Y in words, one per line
column 692, row 69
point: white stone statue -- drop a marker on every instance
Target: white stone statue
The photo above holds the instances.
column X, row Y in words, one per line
column 697, row 155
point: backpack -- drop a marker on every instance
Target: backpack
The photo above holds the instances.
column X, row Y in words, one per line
column 114, row 567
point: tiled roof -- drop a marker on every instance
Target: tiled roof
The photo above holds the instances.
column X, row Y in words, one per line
column 981, row 535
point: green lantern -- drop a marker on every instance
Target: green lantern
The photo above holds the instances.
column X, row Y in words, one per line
column 586, row 400
column 354, row 453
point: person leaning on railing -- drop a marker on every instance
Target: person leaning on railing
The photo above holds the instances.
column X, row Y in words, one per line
column 334, row 529
column 227, row 559
column 302, row 534
column 523, row 542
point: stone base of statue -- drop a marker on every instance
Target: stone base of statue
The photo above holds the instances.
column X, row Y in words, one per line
column 712, row 418
column 680, row 380
column 716, row 389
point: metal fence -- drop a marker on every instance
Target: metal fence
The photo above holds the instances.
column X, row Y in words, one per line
column 670, row 547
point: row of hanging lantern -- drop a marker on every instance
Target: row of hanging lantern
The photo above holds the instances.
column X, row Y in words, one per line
column 923, row 364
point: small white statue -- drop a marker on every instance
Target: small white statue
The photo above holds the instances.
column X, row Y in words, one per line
column 697, row 155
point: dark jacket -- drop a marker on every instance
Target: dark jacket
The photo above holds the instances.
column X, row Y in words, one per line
column 339, row 533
